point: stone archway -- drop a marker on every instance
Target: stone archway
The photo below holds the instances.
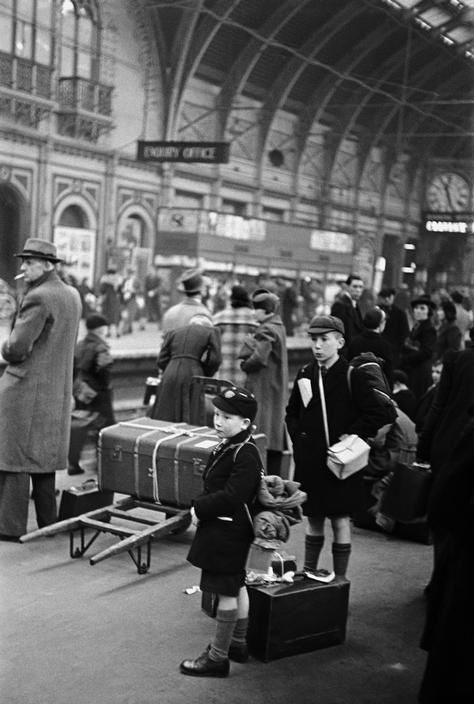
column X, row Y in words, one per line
column 12, row 224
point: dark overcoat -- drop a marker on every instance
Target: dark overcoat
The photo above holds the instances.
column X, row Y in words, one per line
column 348, row 413
column 36, row 387
column 450, row 607
column 396, row 329
column 231, row 480
column 350, row 314
column 193, row 350
column 417, row 356
column 93, row 363
column 265, row 361
column 449, row 411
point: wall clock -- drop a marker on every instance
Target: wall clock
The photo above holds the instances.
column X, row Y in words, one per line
column 448, row 192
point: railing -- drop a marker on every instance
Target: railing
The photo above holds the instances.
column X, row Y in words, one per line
column 25, row 76
column 76, row 93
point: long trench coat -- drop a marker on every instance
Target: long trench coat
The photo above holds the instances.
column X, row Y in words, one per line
column 265, row 361
column 188, row 351
column 356, row 413
column 36, row 386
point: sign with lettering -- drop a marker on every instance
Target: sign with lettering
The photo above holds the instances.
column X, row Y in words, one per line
column 457, row 223
column 184, row 152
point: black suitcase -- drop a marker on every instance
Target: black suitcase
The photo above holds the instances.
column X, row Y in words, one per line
column 80, row 499
column 289, row 619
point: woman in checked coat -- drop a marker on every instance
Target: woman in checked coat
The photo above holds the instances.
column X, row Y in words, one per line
column 234, row 324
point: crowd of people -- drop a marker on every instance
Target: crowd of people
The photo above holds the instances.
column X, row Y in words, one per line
column 426, row 357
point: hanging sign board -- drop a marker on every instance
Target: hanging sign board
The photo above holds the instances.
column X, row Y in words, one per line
column 184, row 152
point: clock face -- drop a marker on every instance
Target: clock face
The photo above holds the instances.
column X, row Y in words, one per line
column 447, row 193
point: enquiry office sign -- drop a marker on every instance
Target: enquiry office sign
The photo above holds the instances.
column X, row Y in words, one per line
column 187, row 152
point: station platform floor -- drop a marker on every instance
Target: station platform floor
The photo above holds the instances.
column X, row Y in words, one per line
column 72, row 633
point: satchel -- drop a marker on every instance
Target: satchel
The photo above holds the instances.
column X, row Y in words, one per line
column 83, row 392
column 406, row 497
column 348, row 456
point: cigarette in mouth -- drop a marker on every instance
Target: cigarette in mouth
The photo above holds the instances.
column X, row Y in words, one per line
column 19, row 276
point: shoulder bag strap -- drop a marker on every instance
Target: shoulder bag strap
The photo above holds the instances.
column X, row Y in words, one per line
column 323, row 406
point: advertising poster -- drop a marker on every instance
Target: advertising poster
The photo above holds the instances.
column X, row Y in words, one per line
column 77, row 247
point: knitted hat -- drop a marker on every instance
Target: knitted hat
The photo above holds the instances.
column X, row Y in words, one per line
column 37, row 248
column 239, row 297
column 265, row 300
column 325, row 323
column 95, row 320
column 237, row 401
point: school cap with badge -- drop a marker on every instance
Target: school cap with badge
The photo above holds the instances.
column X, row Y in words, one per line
column 325, row 323
column 236, row 401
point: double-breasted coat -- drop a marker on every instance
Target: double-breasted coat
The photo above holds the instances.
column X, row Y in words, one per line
column 265, row 361
column 231, row 480
column 193, row 350
column 36, row 386
column 357, row 412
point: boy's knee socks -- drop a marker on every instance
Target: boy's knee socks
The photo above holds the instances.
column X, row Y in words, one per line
column 239, row 637
column 341, row 553
column 225, row 624
column 313, row 544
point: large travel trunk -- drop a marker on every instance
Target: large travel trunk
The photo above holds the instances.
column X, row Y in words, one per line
column 157, row 460
column 289, row 619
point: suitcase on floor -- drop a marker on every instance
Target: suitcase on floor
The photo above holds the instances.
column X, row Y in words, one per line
column 295, row 618
column 81, row 499
column 156, row 460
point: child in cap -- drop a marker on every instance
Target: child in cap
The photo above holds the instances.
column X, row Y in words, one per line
column 349, row 411
column 224, row 530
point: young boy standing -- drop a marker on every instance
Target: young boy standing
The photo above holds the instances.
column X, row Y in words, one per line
column 224, row 530
column 349, row 411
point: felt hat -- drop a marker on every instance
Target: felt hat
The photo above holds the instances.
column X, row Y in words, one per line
column 239, row 295
column 423, row 300
column 95, row 320
column 325, row 323
column 265, row 300
column 191, row 281
column 37, row 248
column 237, row 401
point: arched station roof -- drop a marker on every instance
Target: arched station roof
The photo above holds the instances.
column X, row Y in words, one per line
column 391, row 73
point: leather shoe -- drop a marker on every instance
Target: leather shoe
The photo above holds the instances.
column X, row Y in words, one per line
column 238, row 653
column 75, row 470
column 10, row 538
column 203, row 666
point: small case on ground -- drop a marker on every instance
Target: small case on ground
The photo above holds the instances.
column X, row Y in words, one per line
column 81, row 499
column 300, row 617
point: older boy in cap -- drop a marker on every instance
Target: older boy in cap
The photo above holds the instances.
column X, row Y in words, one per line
column 225, row 531
column 191, row 284
column 349, row 411
column 36, row 390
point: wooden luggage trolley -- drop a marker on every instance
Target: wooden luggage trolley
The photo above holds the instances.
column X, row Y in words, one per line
column 158, row 466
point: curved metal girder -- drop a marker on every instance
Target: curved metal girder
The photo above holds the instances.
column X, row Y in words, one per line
column 285, row 82
column 249, row 57
column 321, row 98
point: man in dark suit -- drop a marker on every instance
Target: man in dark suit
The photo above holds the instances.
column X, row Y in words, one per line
column 346, row 308
column 396, row 326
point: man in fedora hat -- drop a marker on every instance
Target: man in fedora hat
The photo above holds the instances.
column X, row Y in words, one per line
column 191, row 284
column 36, row 391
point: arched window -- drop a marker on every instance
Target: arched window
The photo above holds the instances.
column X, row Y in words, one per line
column 79, row 39
column 26, row 30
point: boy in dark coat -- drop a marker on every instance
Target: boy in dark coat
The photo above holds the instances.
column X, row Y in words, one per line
column 225, row 531
column 355, row 411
